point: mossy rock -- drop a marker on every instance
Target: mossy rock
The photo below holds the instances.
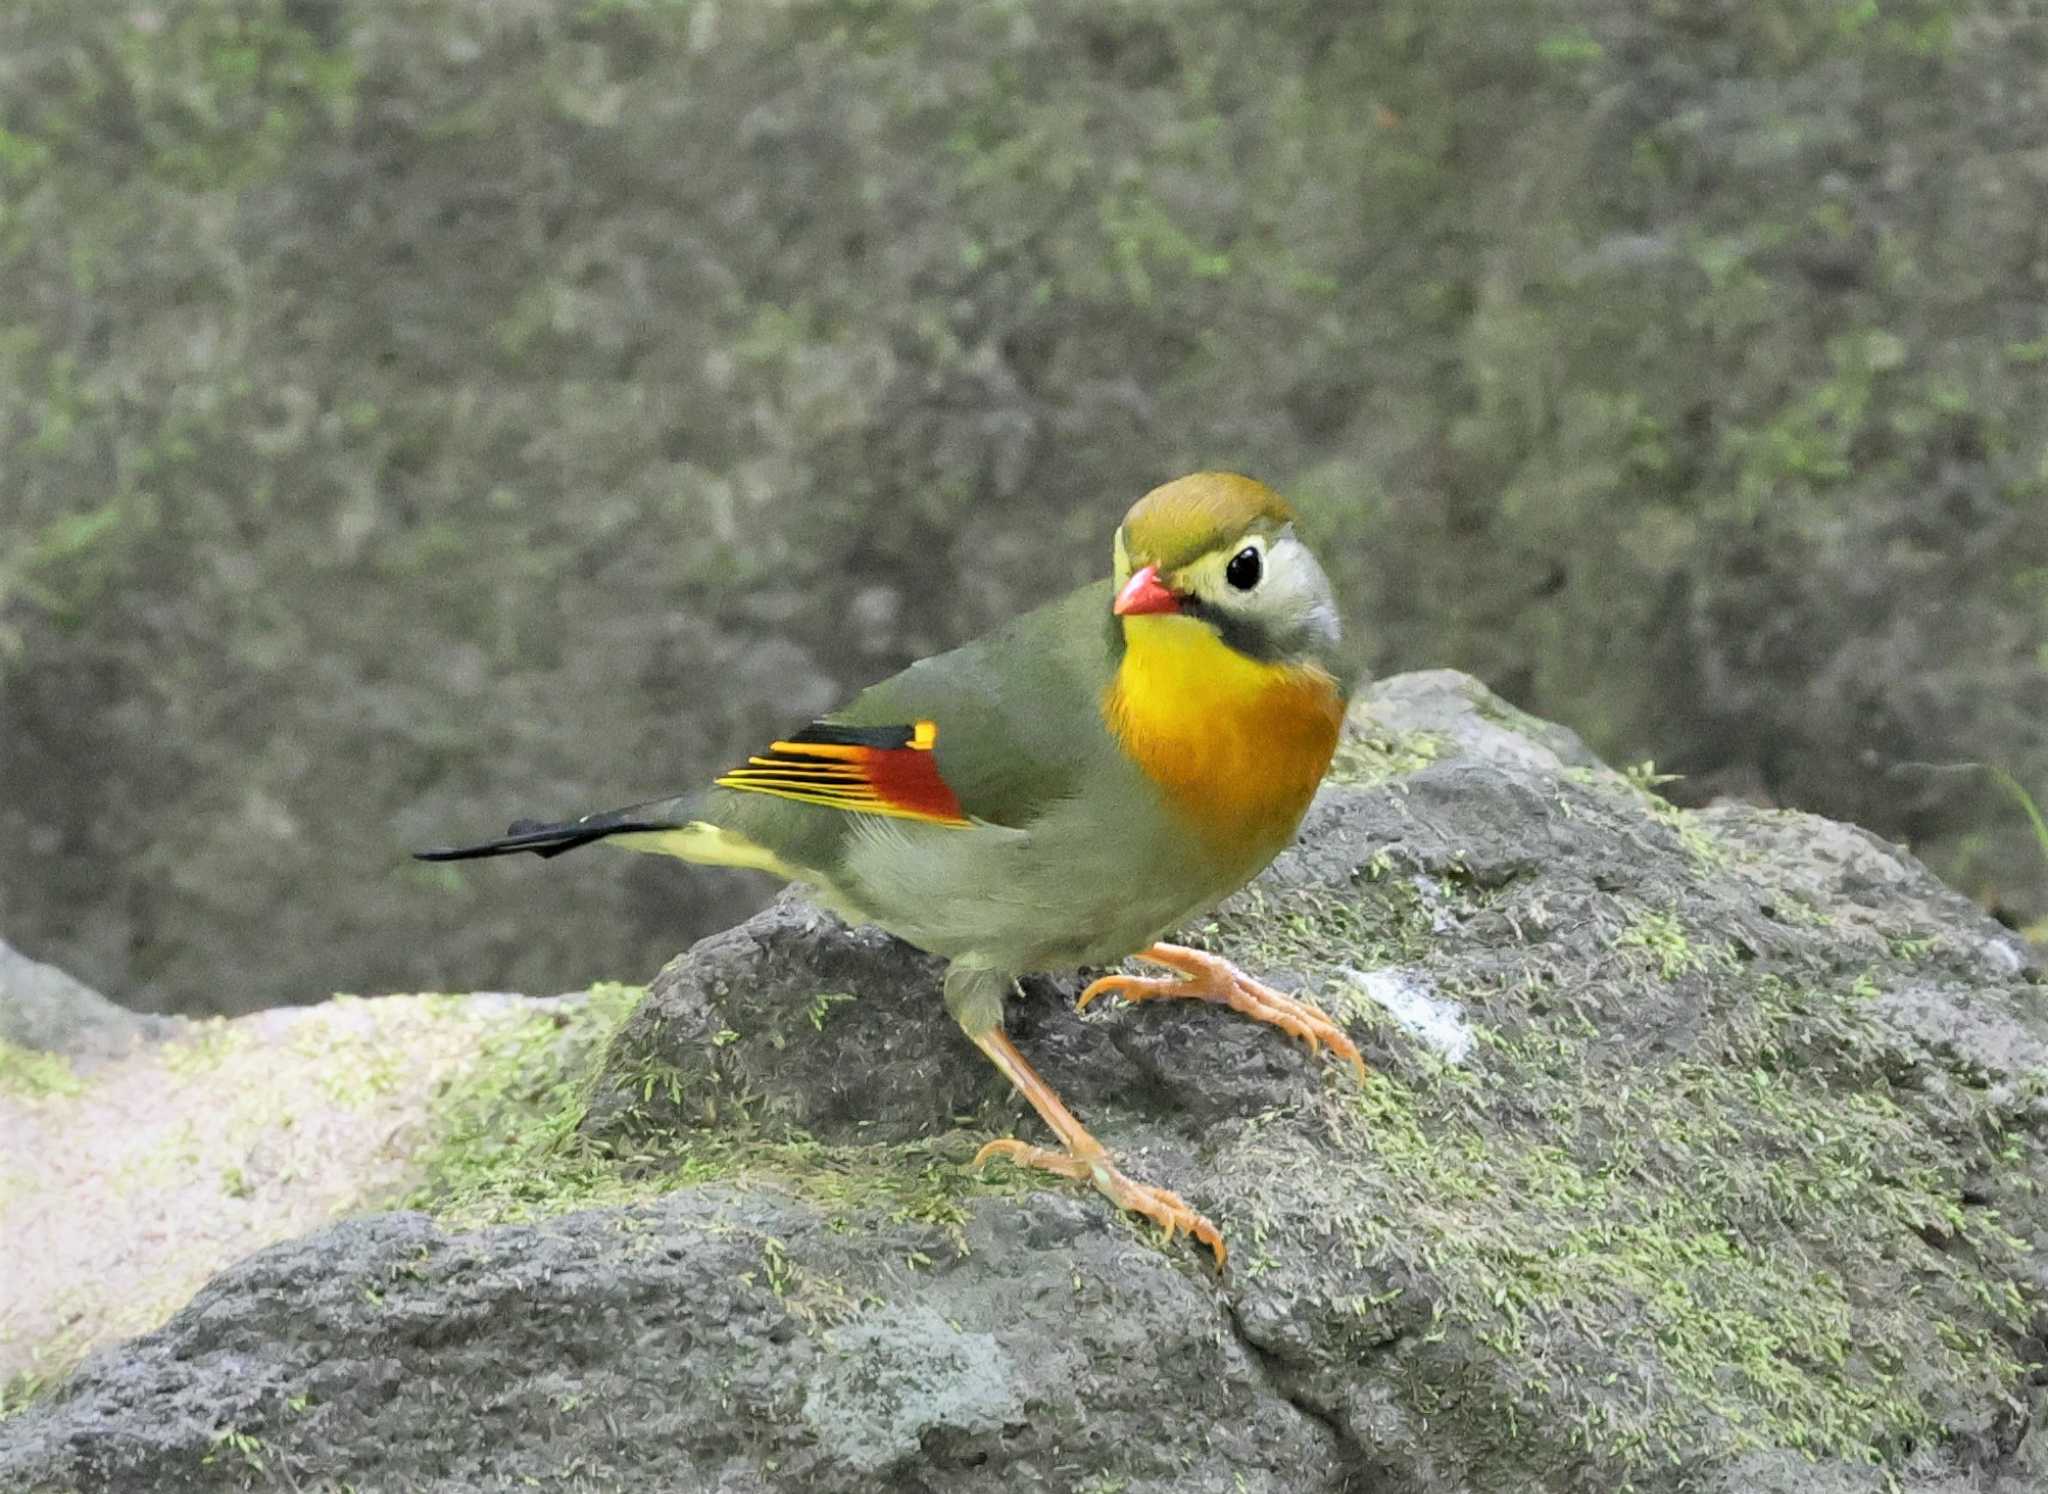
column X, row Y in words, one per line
column 1699, row 1151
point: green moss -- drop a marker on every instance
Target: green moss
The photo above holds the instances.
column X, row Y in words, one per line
column 1387, row 922
column 21, row 1390
column 50, row 1363
column 505, row 1143
column 1376, row 757
column 1731, row 1249
column 1642, row 781
column 509, row 1142
column 33, row 1075
column 210, row 1044
column 1662, row 940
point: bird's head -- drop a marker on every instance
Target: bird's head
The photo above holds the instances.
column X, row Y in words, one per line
column 1217, row 550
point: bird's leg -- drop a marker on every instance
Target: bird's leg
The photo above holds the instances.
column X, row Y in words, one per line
column 979, row 1012
column 1085, row 1159
column 1208, row 977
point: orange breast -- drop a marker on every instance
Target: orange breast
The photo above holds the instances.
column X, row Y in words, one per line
column 1237, row 745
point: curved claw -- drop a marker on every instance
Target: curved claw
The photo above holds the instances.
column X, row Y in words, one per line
column 1117, row 984
column 1207, row 977
column 1166, row 1209
column 1162, row 1206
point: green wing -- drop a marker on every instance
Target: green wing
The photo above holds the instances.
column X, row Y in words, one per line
column 1011, row 723
column 1017, row 713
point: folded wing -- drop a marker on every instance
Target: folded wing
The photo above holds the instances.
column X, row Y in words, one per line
column 886, row 770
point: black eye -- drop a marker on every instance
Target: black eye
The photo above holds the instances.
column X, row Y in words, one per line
column 1244, row 569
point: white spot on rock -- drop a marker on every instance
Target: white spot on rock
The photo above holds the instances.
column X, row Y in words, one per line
column 2004, row 956
column 1410, row 998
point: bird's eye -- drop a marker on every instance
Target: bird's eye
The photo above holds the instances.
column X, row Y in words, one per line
column 1244, row 569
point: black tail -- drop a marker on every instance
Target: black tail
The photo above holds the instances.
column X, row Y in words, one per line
column 552, row 840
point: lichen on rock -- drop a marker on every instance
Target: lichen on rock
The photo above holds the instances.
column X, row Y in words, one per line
column 1733, row 1181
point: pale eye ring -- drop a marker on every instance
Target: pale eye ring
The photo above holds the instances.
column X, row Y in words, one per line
column 1245, row 568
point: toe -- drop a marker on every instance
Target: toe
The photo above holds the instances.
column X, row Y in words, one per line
column 1023, row 1154
column 1104, row 986
column 1169, row 1211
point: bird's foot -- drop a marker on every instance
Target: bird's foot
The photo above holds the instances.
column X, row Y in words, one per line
column 1207, row 977
column 1162, row 1206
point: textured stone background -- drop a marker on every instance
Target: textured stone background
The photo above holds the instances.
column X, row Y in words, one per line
column 413, row 416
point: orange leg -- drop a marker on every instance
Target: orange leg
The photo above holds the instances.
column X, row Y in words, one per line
column 1084, row 1159
column 1208, row 977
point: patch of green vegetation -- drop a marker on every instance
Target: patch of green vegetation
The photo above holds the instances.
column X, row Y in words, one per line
column 355, row 1066
column 244, row 1453
column 1371, row 757
column 1799, row 911
column 209, row 1044
column 21, row 1390
column 1909, row 947
column 509, row 1142
column 2036, row 821
column 1645, row 777
column 1700, row 845
column 1572, row 46
column 50, row 1362
column 505, row 1141
column 35, row 1076
column 1149, row 247
column 1734, row 1248
column 1386, row 922
column 1662, row 938
column 224, row 92
column 822, row 1004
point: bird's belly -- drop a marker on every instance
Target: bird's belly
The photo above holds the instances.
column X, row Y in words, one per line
column 1062, row 894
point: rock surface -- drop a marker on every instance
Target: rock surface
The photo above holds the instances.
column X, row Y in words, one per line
column 44, row 1009
column 134, row 1170
column 1737, row 1186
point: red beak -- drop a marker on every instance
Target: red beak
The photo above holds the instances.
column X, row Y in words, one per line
column 1143, row 593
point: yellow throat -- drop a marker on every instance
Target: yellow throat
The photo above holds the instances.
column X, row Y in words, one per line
column 1238, row 745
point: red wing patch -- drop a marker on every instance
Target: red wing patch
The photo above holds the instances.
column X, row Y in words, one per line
column 886, row 770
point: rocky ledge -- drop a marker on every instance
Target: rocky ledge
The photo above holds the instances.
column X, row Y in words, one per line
column 1700, row 1151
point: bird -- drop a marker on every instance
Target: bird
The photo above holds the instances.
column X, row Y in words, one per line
column 1059, row 793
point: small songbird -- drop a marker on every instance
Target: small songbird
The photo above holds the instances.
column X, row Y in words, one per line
column 1059, row 793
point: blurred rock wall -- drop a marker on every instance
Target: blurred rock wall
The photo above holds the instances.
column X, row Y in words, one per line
column 413, row 416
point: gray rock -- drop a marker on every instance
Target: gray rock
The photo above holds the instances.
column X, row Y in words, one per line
column 901, row 1374
column 714, row 1340
column 757, row 1024
column 43, row 1008
column 1487, row 727
column 128, row 1178
column 1739, row 1186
